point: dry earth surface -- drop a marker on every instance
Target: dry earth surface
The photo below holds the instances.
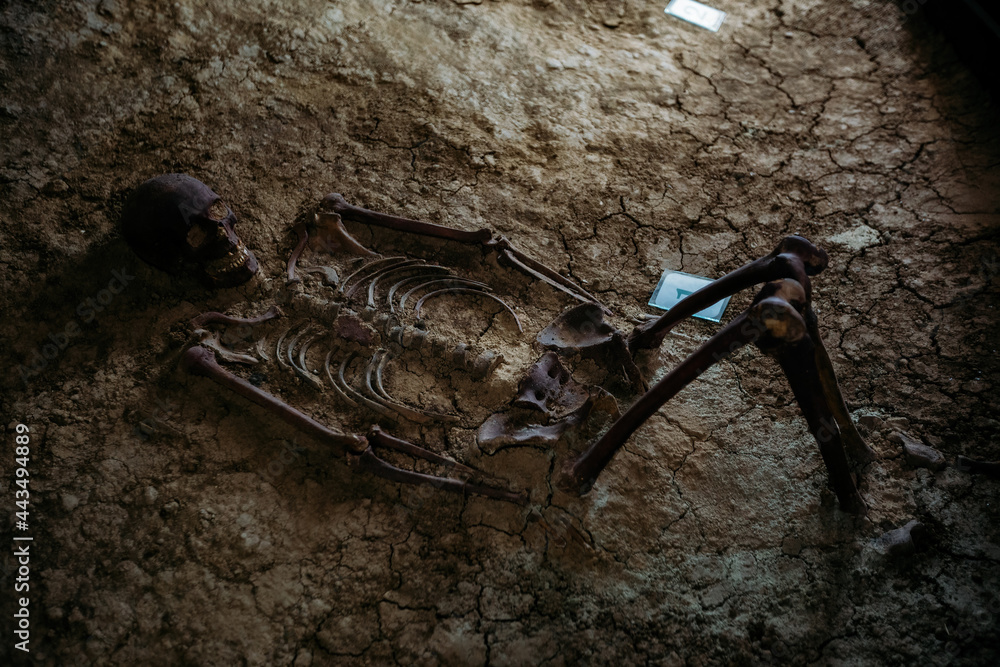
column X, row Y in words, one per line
column 176, row 524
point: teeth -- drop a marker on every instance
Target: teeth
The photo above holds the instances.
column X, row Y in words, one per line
column 235, row 260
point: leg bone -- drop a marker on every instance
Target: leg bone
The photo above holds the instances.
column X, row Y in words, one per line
column 794, row 258
column 798, row 361
column 775, row 324
column 580, row 474
column 855, row 444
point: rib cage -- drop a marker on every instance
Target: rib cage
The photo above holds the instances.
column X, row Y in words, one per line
column 377, row 293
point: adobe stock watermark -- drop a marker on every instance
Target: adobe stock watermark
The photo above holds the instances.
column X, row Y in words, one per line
column 87, row 310
column 560, row 531
column 290, row 453
column 910, row 8
column 989, row 267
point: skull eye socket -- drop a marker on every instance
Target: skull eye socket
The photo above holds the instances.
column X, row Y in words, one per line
column 218, row 211
column 196, row 236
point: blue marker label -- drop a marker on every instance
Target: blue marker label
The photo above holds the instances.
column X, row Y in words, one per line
column 676, row 285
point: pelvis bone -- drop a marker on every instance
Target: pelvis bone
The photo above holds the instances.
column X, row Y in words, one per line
column 549, row 388
column 549, row 404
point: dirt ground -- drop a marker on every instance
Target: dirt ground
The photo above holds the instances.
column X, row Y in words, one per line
column 175, row 523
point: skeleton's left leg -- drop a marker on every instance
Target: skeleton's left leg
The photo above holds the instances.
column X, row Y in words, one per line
column 775, row 323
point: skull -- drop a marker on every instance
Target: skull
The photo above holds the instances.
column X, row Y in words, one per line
column 177, row 224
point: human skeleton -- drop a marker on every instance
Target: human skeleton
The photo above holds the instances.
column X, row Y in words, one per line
column 363, row 312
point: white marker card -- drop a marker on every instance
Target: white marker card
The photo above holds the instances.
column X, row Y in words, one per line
column 675, row 285
column 697, row 13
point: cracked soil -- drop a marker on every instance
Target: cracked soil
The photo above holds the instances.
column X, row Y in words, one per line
column 176, row 524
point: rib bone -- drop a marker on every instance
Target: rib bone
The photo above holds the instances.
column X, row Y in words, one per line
column 365, row 266
column 293, row 259
column 277, row 347
column 373, row 382
column 304, row 372
column 382, row 274
column 301, row 371
column 336, row 386
column 466, row 290
column 451, row 282
column 390, row 297
column 261, row 348
column 388, row 263
column 358, row 396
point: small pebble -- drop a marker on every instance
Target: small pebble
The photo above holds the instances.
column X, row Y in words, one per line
column 56, row 187
column 900, row 542
column 871, row 422
column 919, row 455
